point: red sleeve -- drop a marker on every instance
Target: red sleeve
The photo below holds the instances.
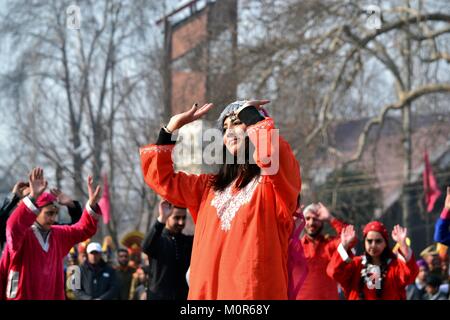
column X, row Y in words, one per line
column 181, row 189
column 337, row 225
column 277, row 162
column 342, row 271
column 406, row 271
column 17, row 225
column 4, row 265
column 334, row 242
column 445, row 214
column 84, row 229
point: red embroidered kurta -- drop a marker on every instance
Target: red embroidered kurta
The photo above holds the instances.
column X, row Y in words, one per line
column 241, row 236
column 318, row 252
column 400, row 273
column 34, row 267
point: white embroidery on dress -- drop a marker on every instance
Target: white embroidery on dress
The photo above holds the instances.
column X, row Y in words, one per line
column 227, row 203
column 157, row 148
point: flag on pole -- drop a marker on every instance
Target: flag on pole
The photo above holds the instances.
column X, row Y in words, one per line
column 104, row 201
column 430, row 186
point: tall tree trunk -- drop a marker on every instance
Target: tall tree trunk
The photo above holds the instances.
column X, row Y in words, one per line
column 406, row 132
column 166, row 111
column 77, row 162
column 112, row 230
column 407, row 166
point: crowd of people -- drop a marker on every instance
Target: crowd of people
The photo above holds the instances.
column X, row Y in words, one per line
column 253, row 237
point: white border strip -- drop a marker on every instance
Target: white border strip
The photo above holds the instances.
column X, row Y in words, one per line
column 91, row 211
column 30, row 205
column 343, row 253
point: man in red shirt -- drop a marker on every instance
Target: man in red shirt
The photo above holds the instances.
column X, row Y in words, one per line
column 318, row 252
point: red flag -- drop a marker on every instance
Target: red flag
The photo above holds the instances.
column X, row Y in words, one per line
column 104, row 201
column 430, row 186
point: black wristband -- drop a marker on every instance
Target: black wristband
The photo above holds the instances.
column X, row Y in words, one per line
column 250, row 115
column 164, row 138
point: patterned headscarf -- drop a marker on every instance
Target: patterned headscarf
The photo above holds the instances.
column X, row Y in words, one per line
column 378, row 227
column 232, row 107
column 45, row 199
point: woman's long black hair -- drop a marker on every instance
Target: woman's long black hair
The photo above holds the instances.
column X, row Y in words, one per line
column 229, row 172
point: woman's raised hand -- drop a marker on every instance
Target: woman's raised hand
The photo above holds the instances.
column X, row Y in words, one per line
column 37, row 182
column 179, row 120
column 94, row 194
column 399, row 234
column 348, row 235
